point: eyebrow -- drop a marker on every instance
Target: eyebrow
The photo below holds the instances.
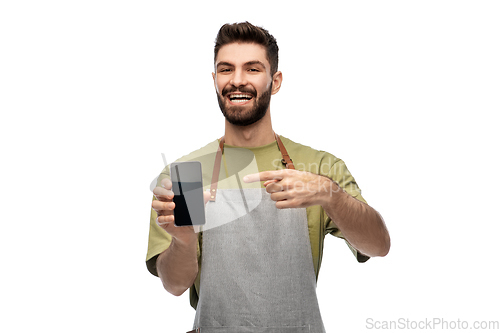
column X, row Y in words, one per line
column 223, row 63
column 249, row 63
column 255, row 62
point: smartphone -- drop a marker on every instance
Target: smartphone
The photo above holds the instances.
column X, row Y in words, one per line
column 187, row 185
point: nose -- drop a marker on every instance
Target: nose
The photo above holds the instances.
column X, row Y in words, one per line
column 239, row 78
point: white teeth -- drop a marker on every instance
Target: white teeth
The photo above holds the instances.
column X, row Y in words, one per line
column 240, row 96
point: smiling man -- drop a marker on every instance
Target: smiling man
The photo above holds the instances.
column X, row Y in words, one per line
column 258, row 273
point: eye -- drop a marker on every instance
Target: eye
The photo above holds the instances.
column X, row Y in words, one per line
column 253, row 70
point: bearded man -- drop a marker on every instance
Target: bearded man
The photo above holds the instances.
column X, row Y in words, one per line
column 257, row 271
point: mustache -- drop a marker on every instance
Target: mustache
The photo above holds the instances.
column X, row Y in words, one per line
column 229, row 90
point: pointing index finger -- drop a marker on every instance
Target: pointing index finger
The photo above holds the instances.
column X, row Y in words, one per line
column 263, row 176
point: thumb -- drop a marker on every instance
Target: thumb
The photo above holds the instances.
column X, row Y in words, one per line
column 206, row 196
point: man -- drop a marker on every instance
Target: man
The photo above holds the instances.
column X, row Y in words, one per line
column 258, row 272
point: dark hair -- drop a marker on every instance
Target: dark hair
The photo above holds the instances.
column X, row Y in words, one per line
column 248, row 33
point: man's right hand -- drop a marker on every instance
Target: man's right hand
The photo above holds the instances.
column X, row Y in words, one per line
column 164, row 207
column 178, row 265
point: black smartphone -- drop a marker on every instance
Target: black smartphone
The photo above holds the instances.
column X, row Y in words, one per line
column 187, row 185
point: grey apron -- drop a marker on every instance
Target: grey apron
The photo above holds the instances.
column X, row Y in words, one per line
column 257, row 273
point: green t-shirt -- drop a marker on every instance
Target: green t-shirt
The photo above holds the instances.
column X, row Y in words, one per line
column 267, row 157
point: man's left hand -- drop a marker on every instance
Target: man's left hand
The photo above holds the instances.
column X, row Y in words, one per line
column 295, row 189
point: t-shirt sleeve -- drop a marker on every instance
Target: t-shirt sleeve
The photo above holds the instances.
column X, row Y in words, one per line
column 159, row 240
column 340, row 174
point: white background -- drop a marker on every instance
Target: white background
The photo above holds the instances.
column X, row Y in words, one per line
column 92, row 92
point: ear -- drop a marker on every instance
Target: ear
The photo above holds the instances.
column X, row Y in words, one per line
column 277, row 79
column 215, row 82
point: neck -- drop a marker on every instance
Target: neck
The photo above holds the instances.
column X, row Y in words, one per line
column 258, row 134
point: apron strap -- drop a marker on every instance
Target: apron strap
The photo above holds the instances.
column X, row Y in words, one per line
column 286, row 160
column 215, row 174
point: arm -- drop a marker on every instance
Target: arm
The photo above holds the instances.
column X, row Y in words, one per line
column 177, row 266
column 360, row 224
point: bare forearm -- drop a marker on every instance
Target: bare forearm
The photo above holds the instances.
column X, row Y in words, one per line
column 360, row 224
column 178, row 267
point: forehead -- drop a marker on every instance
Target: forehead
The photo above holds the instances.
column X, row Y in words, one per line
column 241, row 53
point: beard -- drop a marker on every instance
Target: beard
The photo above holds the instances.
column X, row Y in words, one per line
column 236, row 115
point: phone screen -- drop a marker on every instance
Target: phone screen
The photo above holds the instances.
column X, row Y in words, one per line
column 187, row 185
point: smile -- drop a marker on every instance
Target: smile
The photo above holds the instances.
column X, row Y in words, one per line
column 239, row 99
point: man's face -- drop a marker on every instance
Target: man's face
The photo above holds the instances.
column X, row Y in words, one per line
column 243, row 82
